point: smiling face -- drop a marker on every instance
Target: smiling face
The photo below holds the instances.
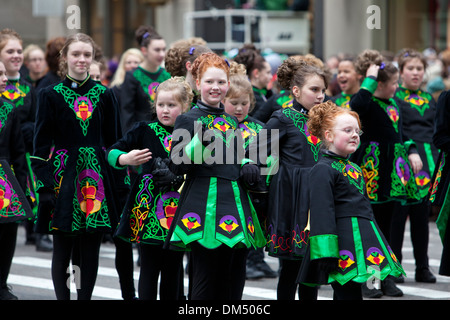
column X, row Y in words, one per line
column 412, row 74
column 213, row 86
column 79, row 58
column 12, row 57
column 344, row 139
column 238, row 106
column 168, row 108
column 347, row 77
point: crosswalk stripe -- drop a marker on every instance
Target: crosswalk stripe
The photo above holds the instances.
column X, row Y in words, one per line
column 251, row 291
column 41, row 283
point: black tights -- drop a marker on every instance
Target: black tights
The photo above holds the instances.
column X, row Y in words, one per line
column 287, row 282
column 84, row 251
column 8, row 236
column 155, row 261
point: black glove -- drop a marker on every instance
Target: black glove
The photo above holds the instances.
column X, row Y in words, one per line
column 250, row 174
column 163, row 177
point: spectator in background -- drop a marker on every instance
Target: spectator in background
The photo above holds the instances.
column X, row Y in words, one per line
column 53, row 47
column 34, row 60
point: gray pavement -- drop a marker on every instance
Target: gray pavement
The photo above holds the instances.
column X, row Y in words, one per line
column 30, row 276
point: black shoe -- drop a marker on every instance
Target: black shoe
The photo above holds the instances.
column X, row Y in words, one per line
column 265, row 268
column 43, row 243
column 252, row 273
column 399, row 279
column 5, row 294
column 424, row 275
column 370, row 293
column 389, row 288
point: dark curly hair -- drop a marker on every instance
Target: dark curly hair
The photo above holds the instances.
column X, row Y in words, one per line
column 294, row 71
column 177, row 56
column 368, row 57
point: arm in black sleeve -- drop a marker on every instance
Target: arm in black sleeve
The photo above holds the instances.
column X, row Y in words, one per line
column 441, row 136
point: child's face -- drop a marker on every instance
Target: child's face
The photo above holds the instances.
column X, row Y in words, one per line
column 347, row 77
column 155, row 52
column 312, row 92
column 344, row 137
column 386, row 90
column 168, row 108
column 3, row 78
column 131, row 62
column 94, row 71
column 36, row 61
column 213, row 86
column 412, row 74
column 79, row 58
column 238, row 106
column 12, row 56
column 263, row 76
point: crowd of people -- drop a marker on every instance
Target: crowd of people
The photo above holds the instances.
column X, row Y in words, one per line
column 157, row 151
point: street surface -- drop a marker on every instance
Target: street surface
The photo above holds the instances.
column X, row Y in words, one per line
column 30, row 276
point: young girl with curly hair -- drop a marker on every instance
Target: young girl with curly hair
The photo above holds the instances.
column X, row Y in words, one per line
column 386, row 155
column 346, row 245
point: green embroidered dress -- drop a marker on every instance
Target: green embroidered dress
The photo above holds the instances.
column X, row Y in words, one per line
column 137, row 95
column 383, row 152
column 150, row 208
column 288, row 204
column 418, row 124
column 214, row 208
column 343, row 227
column 81, row 121
column 14, row 206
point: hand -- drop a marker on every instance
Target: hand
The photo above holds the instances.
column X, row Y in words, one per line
column 416, row 162
column 373, row 71
column 250, row 173
column 135, row 157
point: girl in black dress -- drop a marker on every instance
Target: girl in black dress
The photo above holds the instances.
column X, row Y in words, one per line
column 215, row 218
column 386, row 155
column 346, row 247
column 153, row 200
column 288, row 205
column 14, row 204
column 80, row 118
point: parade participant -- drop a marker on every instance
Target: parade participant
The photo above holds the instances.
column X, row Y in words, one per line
column 288, row 205
column 238, row 102
column 345, row 243
column 207, row 149
column 439, row 193
column 138, row 88
column 154, row 197
column 22, row 94
column 179, row 59
column 259, row 72
column 14, row 205
column 386, row 155
column 348, row 80
column 76, row 183
column 130, row 60
column 34, row 61
column 418, row 124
